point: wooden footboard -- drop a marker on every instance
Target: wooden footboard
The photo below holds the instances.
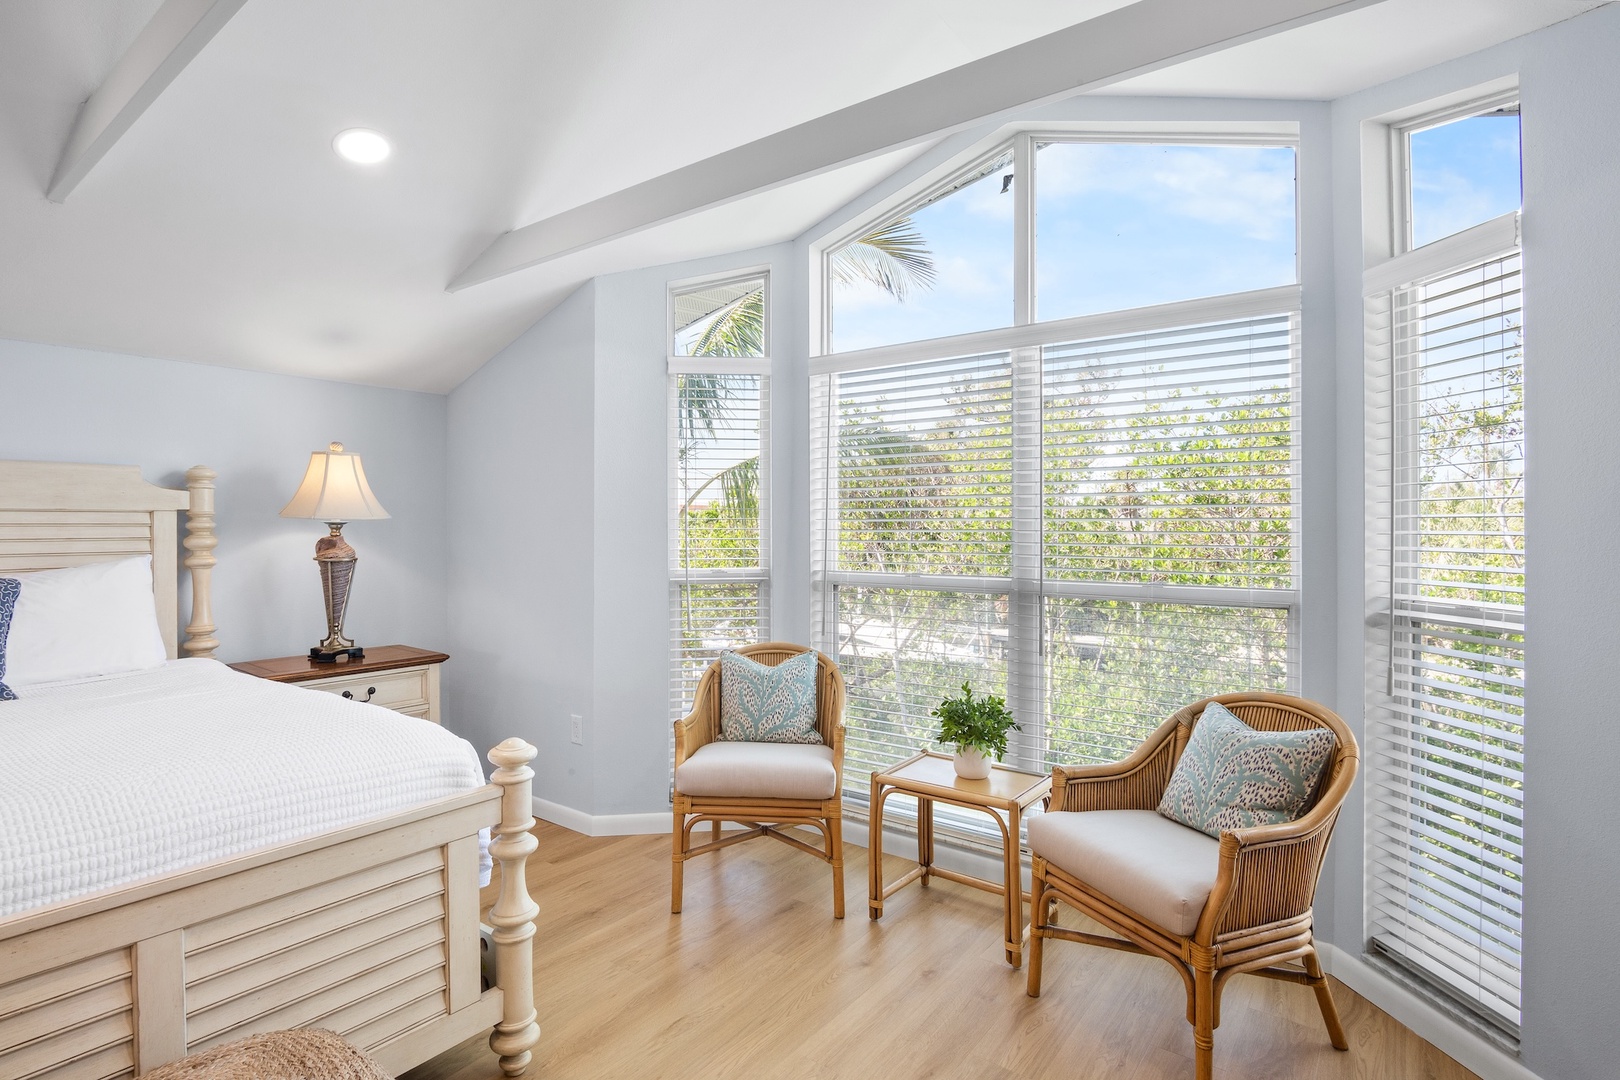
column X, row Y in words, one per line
column 372, row 931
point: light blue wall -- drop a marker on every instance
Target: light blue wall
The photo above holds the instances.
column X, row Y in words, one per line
column 1570, row 96
column 522, row 611
column 256, row 430
column 561, row 606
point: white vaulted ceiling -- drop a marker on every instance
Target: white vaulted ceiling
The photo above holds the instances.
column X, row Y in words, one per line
column 222, row 229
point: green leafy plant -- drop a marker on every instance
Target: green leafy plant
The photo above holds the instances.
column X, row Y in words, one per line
column 981, row 723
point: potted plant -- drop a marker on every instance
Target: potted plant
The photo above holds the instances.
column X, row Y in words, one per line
column 977, row 727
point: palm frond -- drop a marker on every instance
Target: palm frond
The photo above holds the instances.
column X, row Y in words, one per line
column 738, row 329
column 739, row 491
column 703, row 400
column 894, row 257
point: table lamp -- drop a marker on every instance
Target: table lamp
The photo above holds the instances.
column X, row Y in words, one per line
column 335, row 491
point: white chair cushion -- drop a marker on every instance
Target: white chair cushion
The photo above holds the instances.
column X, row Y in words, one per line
column 731, row 770
column 1143, row 861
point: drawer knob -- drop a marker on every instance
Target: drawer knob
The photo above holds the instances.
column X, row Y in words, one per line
column 371, row 692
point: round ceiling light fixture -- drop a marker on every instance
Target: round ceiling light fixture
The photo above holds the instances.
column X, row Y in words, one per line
column 361, row 146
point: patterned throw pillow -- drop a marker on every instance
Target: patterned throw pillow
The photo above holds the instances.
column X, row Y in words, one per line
column 1232, row 776
column 10, row 589
column 760, row 703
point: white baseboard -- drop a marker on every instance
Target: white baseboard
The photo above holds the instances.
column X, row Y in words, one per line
column 952, row 857
column 1471, row 1050
column 600, row 824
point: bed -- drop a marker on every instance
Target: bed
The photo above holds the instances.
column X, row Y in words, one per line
column 370, row 927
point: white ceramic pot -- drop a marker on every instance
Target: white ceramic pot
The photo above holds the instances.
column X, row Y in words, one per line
column 971, row 764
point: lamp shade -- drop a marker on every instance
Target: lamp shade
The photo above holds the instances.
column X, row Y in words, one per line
column 334, row 489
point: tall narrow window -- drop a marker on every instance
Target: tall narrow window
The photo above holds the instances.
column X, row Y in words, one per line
column 1096, row 515
column 1446, row 650
column 719, row 575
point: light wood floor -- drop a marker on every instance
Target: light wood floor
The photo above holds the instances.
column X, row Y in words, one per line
column 757, row 980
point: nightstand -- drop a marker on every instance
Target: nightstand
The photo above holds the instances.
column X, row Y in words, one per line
column 397, row 677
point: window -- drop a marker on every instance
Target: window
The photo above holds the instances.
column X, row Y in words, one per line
column 1461, row 172
column 1094, row 516
column 1446, row 646
column 1110, row 217
column 719, row 576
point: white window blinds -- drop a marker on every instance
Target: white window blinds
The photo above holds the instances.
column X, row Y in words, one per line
column 914, row 522
column 719, row 582
column 1446, row 648
column 1100, row 526
column 1170, row 481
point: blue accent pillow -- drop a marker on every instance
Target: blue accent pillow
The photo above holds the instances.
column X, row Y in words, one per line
column 1232, row 776
column 760, row 703
column 10, row 589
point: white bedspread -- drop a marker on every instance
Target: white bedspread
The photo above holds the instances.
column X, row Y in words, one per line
column 112, row 780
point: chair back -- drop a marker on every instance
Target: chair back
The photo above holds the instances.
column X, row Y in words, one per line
column 829, row 686
column 1283, row 712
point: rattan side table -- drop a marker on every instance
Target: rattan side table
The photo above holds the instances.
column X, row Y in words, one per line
column 932, row 778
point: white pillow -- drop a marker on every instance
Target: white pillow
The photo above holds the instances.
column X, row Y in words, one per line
column 84, row 621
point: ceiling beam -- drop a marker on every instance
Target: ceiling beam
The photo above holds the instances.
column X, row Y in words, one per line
column 1123, row 42
column 172, row 38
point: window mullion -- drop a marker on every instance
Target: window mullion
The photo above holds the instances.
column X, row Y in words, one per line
column 1024, row 230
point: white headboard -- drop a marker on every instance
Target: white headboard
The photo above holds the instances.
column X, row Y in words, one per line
column 54, row 514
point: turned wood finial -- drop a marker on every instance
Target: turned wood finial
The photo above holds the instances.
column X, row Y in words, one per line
column 513, row 915
column 199, row 544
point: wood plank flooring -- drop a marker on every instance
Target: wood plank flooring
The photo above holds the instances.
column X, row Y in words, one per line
column 757, row 981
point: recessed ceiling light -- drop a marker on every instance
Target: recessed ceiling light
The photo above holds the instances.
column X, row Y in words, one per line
column 361, row 146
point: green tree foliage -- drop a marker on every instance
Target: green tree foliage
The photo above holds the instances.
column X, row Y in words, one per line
column 1185, row 488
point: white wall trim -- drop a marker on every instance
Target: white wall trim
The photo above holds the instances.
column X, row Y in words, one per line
column 896, row 842
column 1472, row 1051
column 601, row 824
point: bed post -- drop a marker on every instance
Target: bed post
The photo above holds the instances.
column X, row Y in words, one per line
column 514, row 910
column 200, row 543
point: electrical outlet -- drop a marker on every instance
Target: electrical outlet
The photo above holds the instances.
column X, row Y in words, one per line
column 576, row 730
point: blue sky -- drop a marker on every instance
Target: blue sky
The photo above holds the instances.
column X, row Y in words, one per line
column 1118, row 225
column 1122, row 225
column 1463, row 173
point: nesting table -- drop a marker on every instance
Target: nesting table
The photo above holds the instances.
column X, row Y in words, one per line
column 932, row 778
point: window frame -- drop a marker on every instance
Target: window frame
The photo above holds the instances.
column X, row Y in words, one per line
column 1391, row 279
column 1022, row 145
column 1400, row 155
column 680, row 577
column 1028, row 585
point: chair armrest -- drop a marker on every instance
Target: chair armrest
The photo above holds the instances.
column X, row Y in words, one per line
column 691, row 732
column 1268, row 874
column 1136, row 783
column 700, row 726
column 838, row 757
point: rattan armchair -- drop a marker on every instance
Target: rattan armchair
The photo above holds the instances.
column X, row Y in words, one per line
column 762, row 811
column 1257, row 918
